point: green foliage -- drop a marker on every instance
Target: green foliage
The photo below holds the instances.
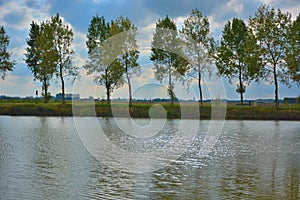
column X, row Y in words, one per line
column 98, row 32
column 31, row 58
column 236, row 56
column 129, row 53
column 167, row 54
column 199, row 46
column 49, row 52
column 46, row 97
column 6, row 64
column 293, row 52
column 240, row 88
column 271, row 28
column 102, row 56
column 41, row 55
column 63, row 38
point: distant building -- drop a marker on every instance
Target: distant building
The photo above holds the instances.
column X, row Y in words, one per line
column 68, row 96
column 289, row 100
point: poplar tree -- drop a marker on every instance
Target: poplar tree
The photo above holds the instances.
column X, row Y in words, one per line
column 271, row 28
column 236, row 56
column 41, row 55
column 128, row 46
column 167, row 54
column 107, row 70
column 6, row 64
column 293, row 52
column 199, row 47
column 63, row 39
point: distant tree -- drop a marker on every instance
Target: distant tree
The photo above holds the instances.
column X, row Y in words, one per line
column 128, row 46
column 107, row 73
column 167, row 54
column 6, row 64
column 31, row 58
column 236, row 57
column 199, row 47
column 270, row 28
column 293, row 52
column 63, row 38
column 41, row 55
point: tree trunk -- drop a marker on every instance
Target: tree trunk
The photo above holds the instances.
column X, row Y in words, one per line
column 241, row 91
column 200, row 87
column 242, row 99
column 129, row 88
column 107, row 86
column 171, row 87
column 128, row 80
column 107, row 94
column 62, row 85
column 45, row 90
column 276, row 88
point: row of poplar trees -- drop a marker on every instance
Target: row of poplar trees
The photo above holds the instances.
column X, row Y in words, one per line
column 267, row 48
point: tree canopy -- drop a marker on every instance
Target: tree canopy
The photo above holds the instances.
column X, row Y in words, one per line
column 129, row 53
column 6, row 64
column 236, row 58
column 271, row 28
column 49, row 53
column 199, row 47
column 63, row 39
column 293, row 52
column 41, row 55
column 167, row 54
column 102, row 58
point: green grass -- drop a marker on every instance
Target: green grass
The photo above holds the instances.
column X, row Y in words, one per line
column 141, row 110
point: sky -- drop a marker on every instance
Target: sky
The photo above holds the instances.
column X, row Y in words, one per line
column 16, row 16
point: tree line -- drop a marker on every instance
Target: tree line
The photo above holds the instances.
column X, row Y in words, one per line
column 264, row 48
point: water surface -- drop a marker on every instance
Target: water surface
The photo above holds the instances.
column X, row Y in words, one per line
column 43, row 158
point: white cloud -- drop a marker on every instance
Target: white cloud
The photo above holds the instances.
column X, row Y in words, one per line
column 18, row 15
column 236, row 6
column 293, row 10
column 80, row 49
column 179, row 21
column 18, row 53
column 144, row 39
column 18, row 86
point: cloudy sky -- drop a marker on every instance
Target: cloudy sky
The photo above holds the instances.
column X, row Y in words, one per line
column 16, row 16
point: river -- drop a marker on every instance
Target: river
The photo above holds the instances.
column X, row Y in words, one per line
column 45, row 158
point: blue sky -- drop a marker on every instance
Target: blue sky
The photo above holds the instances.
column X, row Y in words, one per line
column 16, row 16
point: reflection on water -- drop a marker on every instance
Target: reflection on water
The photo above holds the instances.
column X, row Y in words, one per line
column 43, row 158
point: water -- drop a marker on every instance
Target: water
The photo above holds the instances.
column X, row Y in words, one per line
column 43, row 158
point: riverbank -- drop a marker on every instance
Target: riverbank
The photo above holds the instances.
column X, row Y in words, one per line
column 141, row 110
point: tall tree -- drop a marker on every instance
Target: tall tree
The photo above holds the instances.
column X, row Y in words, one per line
column 63, row 38
column 31, row 58
column 271, row 28
column 128, row 46
column 6, row 64
column 293, row 52
column 108, row 72
column 167, row 54
column 236, row 57
column 41, row 55
column 199, row 47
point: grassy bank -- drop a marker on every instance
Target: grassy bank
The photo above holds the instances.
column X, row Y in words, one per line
column 141, row 110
